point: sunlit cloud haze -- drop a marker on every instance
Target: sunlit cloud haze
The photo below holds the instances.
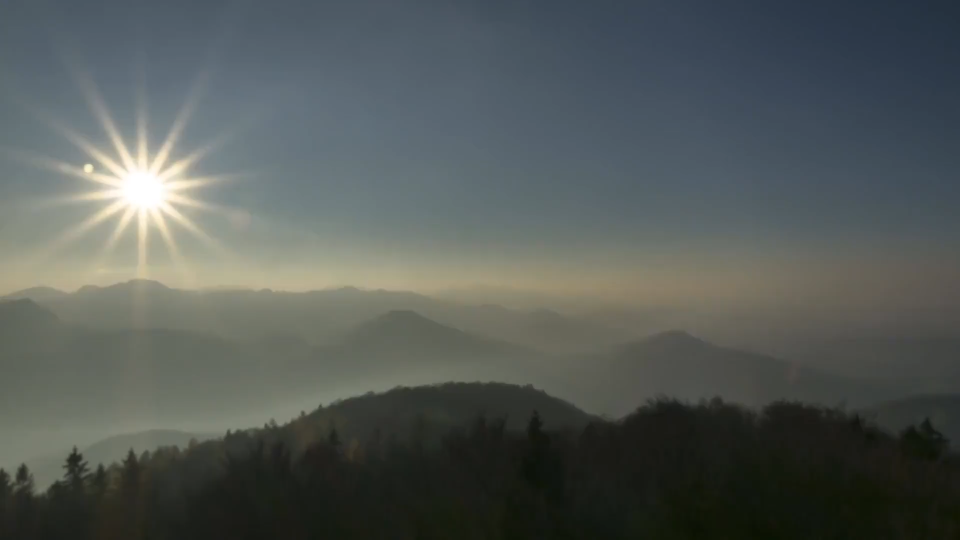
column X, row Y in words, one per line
column 640, row 153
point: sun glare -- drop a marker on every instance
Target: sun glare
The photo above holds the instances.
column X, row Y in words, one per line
column 139, row 188
column 143, row 190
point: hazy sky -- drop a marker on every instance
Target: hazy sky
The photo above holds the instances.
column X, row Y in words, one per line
column 632, row 149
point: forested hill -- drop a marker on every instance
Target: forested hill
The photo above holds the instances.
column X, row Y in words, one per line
column 668, row 470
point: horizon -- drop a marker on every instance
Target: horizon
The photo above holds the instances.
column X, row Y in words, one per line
column 571, row 152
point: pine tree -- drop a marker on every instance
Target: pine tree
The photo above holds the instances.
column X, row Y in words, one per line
column 75, row 472
column 23, row 482
column 6, row 486
column 534, row 460
column 24, row 504
column 333, row 438
column 98, row 482
column 130, row 475
column 6, row 490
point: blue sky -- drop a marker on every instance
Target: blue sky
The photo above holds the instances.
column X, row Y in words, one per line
column 623, row 148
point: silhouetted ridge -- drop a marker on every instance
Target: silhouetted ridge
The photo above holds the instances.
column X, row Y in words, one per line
column 37, row 294
column 673, row 341
column 448, row 405
column 147, row 284
column 409, row 328
column 675, row 337
column 25, row 315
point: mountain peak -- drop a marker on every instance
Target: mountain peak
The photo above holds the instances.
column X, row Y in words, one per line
column 37, row 294
column 144, row 284
column 674, row 338
column 404, row 315
column 24, row 315
column 401, row 321
column 409, row 330
column 671, row 341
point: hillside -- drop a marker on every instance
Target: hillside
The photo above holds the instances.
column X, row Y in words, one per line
column 58, row 375
column 61, row 375
column 677, row 364
column 666, row 471
column 447, row 406
column 425, row 413
column 919, row 365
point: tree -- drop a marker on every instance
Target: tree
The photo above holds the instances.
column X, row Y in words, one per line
column 98, row 482
column 24, row 505
column 534, row 462
column 333, row 438
column 23, row 482
column 6, row 490
column 75, row 472
column 130, row 476
column 6, row 486
column 924, row 442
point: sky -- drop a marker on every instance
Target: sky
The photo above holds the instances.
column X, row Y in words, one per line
column 637, row 151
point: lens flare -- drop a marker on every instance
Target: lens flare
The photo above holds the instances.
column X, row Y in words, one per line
column 132, row 185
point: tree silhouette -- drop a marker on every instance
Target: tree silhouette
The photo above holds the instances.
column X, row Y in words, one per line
column 75, row 472
column 670, row 470
column 23, row 482
column 99, row 482
column 130, row 475
column 6, row 487
column 6, row 496
column 924, row 442
column 535, row 460
column 333, row 438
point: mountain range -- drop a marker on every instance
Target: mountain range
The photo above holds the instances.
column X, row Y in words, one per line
column 317, row 316
column 142, row 354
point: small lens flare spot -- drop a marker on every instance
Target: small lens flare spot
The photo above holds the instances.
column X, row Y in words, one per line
column 88, row 168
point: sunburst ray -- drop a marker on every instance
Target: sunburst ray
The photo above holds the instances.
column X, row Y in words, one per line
column 187, row 184
column 141, row 118
column 77, row 231
column 43, row 162
column 99, row 109
column 143, row 186
column 143, row 236
column 179, row 123
column 190, row 226
column 79, row 141
column 122, row 225
column 89, row 196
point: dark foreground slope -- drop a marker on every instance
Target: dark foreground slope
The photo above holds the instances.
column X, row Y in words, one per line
column 666, row 471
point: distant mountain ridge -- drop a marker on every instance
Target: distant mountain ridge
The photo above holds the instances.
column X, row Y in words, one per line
column 317, row 316
column 403, row 328
column 161, row 374
column 677, row 364
column 37, row 294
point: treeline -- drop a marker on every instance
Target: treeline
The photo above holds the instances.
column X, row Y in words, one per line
column 668, row 471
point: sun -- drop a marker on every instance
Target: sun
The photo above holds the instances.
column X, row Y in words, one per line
column 148, row 191
column 143, row 190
